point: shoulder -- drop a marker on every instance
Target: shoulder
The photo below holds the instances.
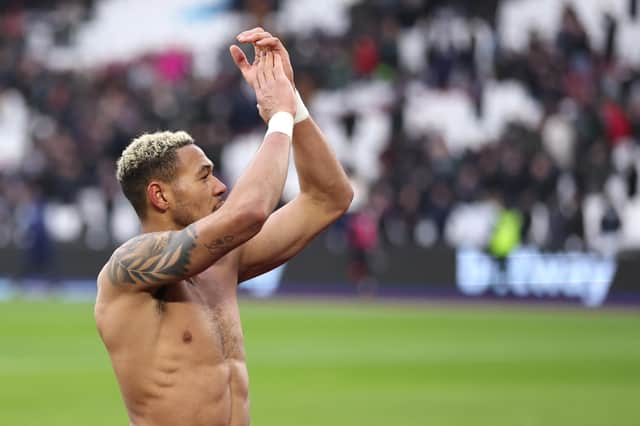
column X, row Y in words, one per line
column 142, row 244
column 130, row 252
column 106, row 289
column 115, row 275
column 133, row 255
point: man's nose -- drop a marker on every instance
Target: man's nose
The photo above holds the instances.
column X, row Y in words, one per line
column 219, row 188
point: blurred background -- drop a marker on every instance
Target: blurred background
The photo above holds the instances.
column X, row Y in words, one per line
column 494, row 148
column 493, row 145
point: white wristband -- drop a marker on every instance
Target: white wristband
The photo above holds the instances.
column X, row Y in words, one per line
column 302, row 113
column 281, row 122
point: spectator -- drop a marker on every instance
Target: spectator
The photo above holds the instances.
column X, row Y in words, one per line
column 362, row 85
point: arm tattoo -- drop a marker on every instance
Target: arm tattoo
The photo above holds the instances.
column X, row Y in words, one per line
column 153, row 258
column 219, row 245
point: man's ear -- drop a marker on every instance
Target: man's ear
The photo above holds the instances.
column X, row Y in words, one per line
column 156, row 193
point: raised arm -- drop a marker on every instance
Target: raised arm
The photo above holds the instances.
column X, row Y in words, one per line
column 325, row 194
column 156, row 259
column 325, row 190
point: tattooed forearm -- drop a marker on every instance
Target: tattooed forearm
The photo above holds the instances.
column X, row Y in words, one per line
column 219, row 244
column 153, row 259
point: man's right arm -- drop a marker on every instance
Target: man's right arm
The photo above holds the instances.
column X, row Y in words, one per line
column 161, row 258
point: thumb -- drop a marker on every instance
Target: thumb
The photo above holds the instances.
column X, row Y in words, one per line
column 239, row 58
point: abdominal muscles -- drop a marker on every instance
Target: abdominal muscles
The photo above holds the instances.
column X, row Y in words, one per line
column 211, row 395
column 191, row 373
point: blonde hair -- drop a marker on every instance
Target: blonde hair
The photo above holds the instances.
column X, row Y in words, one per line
column 150, row 156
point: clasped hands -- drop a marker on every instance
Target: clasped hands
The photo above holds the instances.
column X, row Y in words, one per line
column 270, row 74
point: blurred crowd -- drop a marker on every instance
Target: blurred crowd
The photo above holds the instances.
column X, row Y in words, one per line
column 558, row 171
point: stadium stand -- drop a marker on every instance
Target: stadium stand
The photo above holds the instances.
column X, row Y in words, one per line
column 446, row 118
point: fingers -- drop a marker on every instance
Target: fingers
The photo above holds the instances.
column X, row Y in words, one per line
column 249, row 32
column 257, row 54
column 278, row 69
column 261, row 38
column 270, row 42
column 269, row 67
column 261, row 72
column 254, row 37
column 239, row 58
column 270, row 62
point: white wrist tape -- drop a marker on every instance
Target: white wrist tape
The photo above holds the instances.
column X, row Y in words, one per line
column 281, row 122
column 302, row 113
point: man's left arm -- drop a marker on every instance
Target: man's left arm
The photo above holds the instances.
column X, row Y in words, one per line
column 325, row 194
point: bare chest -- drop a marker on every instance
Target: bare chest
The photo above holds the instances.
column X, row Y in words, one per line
column 201, row 316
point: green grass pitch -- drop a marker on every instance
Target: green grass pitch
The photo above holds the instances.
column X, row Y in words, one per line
column 349, row 363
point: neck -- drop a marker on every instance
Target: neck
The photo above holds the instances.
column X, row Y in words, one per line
column 158, row 224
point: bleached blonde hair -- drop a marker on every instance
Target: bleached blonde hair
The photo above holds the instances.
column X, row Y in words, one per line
column 150, row 156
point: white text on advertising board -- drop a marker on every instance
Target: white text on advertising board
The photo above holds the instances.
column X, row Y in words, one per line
column 528, row 272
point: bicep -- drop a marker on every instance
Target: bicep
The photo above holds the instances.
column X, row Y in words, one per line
column 153, row 259
column 285, row 233
column 161, row 258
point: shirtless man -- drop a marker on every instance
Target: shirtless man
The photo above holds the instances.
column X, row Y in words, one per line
column 167, row 307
